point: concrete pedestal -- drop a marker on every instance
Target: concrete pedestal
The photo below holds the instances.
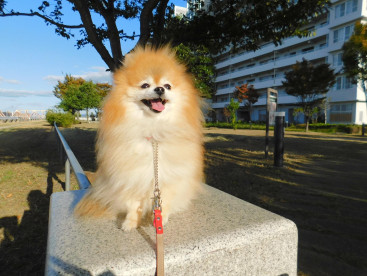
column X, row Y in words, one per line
column 219, row 235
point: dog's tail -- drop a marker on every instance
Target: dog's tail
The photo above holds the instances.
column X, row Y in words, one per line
column 89, row 206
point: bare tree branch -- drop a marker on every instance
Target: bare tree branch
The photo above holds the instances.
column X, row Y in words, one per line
column 47, row 19
column 92, row 34
column 107, row 11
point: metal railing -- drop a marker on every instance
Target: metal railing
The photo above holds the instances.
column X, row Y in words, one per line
column 72, row 162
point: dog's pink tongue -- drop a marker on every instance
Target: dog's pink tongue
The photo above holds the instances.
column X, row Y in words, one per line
column 157, row 105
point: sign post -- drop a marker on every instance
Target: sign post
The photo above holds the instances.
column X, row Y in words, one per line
column 271, row 107
column 279, row 139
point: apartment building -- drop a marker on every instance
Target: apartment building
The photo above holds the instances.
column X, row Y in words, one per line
column 265, row 68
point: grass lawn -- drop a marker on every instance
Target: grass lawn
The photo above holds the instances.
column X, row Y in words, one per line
column 322, row 188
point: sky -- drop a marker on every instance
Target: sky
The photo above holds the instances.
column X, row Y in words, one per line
column 33, row 58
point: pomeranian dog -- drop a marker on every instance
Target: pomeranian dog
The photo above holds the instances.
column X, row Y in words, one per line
column 153, row 99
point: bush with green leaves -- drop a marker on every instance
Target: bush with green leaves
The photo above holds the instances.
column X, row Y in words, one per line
column 239, row 125
column 60, row 118
column 318, row 127
column 329, row 128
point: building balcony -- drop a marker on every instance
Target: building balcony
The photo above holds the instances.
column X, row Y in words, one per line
column 284, row 61
column 270, row 47
column 283, row 99
column 342, row 95
column 220, row 105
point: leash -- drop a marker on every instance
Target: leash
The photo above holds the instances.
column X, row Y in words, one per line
column 157, row 211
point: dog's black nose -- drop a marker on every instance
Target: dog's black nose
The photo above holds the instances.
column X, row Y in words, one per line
column 159, row 90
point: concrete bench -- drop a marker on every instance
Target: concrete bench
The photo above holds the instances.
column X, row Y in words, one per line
column 219, row 235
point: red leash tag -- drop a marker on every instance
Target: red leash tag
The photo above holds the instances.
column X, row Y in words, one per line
column 157, row 222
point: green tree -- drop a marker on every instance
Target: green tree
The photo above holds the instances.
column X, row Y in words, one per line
column 61, row 86
column 92, row 98
column 73, row 91
column 77, row 98
column 309, row 83
column 103, row 89
column 200, row 63
column 355, row 54
column 231, row 109
column 244, row 24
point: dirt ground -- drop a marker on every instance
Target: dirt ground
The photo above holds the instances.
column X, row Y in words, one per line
column 322, row 188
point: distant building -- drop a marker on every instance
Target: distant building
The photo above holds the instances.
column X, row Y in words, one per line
column 180, row 11
column 190, row 9
column 265, row 68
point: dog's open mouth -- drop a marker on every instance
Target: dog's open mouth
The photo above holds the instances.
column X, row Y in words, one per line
column 156, row 105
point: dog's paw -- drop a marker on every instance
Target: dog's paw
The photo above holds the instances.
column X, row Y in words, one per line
column 128, row 225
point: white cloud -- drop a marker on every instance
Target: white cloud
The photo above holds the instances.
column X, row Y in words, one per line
column 13, row 93
column 54, row 78
column 11, row 100
column 3, row 80
column 97, row 74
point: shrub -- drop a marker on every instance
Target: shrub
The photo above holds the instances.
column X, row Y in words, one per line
column 239, row 125
column 61, row 119
column 351, row 129
column 329, row 128
column 318, row 127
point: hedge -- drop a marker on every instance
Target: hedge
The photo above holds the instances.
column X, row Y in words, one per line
column 61, row 119
column 319, row 127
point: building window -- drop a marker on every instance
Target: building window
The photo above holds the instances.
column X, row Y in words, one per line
column 223, row 99
column 339, row 10
column 348, row 32
column 343, row 34
column 338, row 35
column 352, row 6
column 337, row 59
column 346, row 8
column 223, row 86
column 223, row 73
column 347, row 83
column 341, row 113
column 338, row 83
column 342, row 82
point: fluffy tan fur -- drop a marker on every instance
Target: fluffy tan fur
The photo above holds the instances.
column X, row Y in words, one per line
column 124, row 181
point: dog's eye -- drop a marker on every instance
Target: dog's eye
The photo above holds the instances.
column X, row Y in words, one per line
column 167, row 86
column 145, row 85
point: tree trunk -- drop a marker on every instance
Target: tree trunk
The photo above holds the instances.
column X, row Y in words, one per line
column 160, row 20
column 249, row 115
column 307, row 122
column 146, row 18
column 85, row 16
